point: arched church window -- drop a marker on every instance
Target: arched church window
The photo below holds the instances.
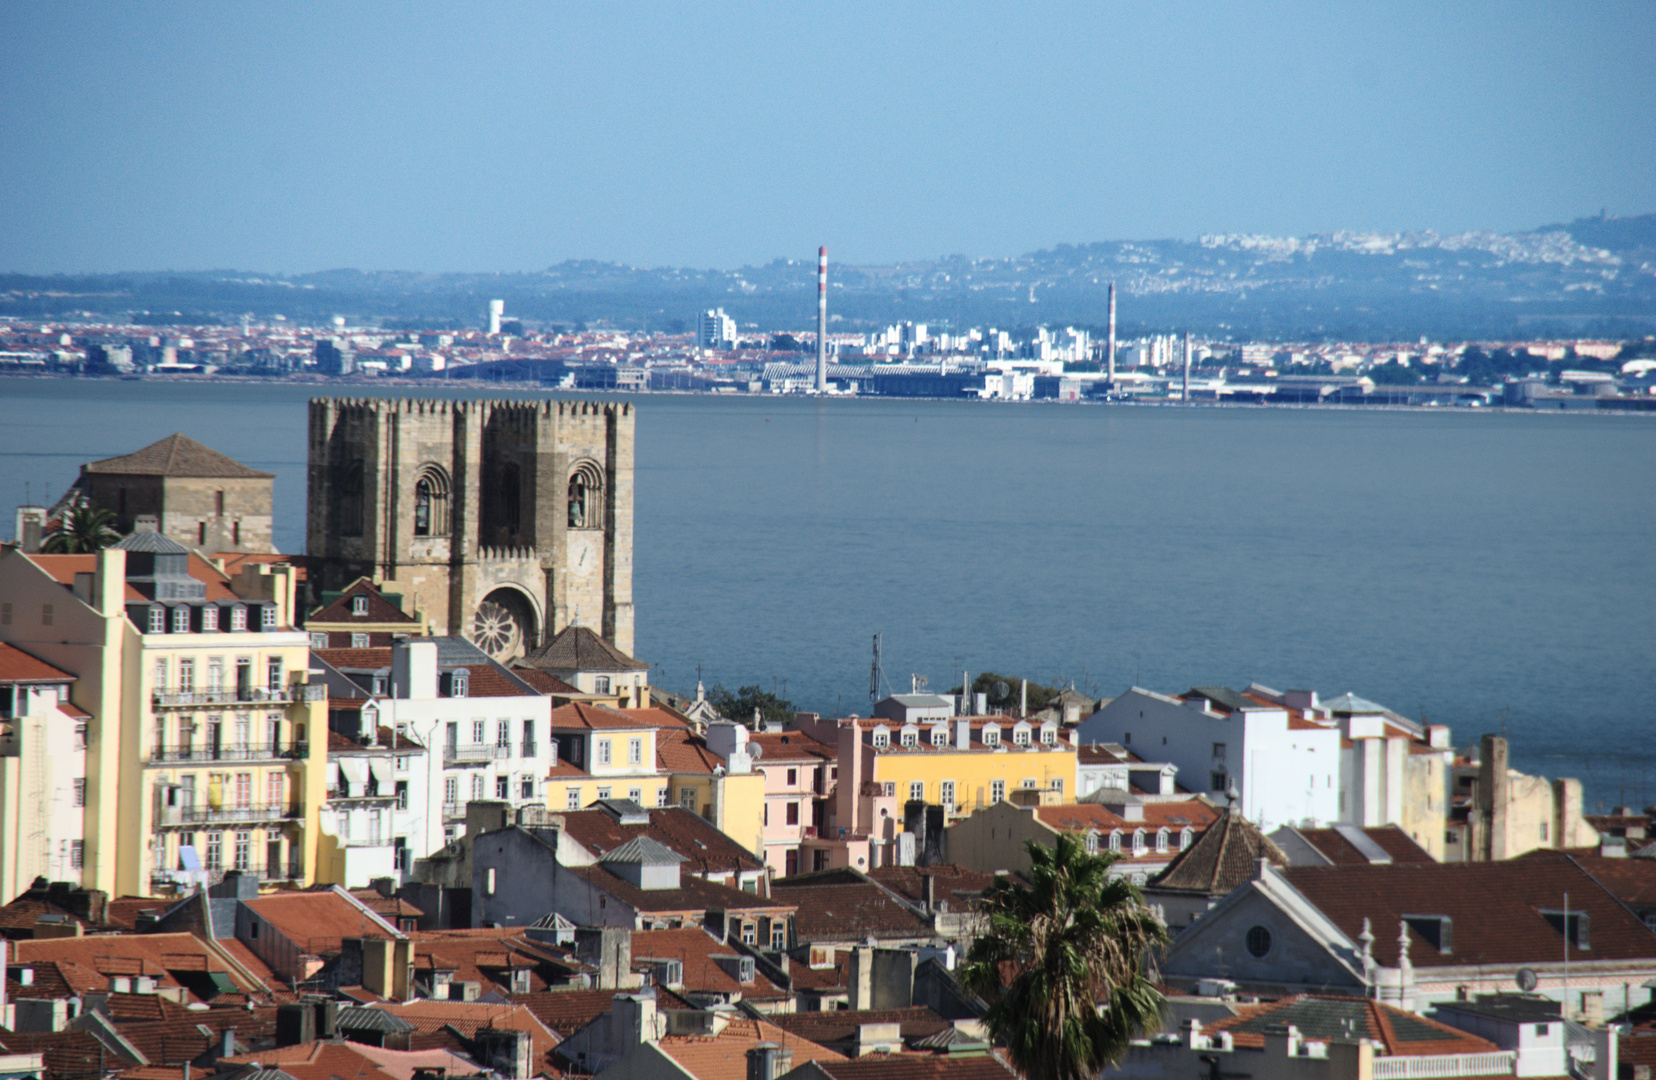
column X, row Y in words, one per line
column 586, row 506
column 350, row 501
column 431, row 513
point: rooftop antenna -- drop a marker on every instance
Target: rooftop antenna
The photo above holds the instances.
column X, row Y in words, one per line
column 874, row 675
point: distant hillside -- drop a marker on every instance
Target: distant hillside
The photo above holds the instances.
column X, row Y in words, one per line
column 1593, row 277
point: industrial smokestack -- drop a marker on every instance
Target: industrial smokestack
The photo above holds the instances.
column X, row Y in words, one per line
column 822, row 321
column 1184, row 394
column 1109, row 361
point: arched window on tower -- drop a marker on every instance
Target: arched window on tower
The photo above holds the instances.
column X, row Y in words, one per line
column 586, row 497
column 431, row 509
column 350, row 500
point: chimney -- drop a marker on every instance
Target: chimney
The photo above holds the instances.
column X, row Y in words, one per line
column 822, row 327
column 767, row 1061
column 928, row 891
column 963, row 735
column 414, row 670
column 109, row 588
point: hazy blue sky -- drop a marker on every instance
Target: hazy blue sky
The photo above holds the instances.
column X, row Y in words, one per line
column 509, row 136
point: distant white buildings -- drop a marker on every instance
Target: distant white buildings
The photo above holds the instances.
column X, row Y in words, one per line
column 715, row 330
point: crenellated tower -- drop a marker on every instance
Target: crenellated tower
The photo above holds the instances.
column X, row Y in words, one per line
column 505, row 520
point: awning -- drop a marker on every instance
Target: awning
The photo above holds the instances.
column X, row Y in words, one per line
column 356, row 771
column 333, row 776
column 382, row 775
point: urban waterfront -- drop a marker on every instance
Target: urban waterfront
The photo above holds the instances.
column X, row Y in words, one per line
column 1490, row 569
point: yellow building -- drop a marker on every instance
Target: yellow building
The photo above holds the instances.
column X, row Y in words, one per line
column 960, row 763
column 206, row 746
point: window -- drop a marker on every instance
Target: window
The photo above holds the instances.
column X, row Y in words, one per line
column 1058, row 784
column 687, row 798
column 991, row 736
column 635, row 751
column 793, row 777
column 157, row 619
column 572, row 798
column 585, row 505
column 244, row 791
column 526, row 787
column 1258, row 941
column 603, row 793
column 792, row 813
column 451, row 789
column 160, row 675
column 244, row 850
column 319, row 639
column 215, row 852
column 431, row 490
column 359, row 606
column 1574, row 926
column 1049, row 736
column 267, row 617
column 1115, row 840
column 1543, row 832
column 503, row 734
column 940, row 735
column 750, row 933
column 458, row 687
column 477, row 732
column 1161, row 840
column 917, row 790
column 1138, row 841
column 946, row 793
column 779, row 941
column 601, row 684
column 997, row 791
column 79, row 791
column 1020, row 736
column 603, row 751
column 209, row 618
column 910, row 737
column 1127, row 738
column 1186, row 836
column 503, row 787
column 477, row 786
column 881, row 740
column 661, row 797
column 359, row 641
column 1218, row 751
column 181, row 619
column 77, row 854
column 1217, row 781
column 1092, row 843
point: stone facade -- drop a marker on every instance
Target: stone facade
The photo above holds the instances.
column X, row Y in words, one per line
column 506, row 521
column 186, row 491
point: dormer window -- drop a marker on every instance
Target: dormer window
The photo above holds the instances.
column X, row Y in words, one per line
column 1187, row 836
column 238, row 618
column 359, row 606
column 1138, row 841
column 1021, row 736
column 267, row 617
column 1092, row 843
column 910, row 737
column 940, row 735
column 157, row 619
column 1048, row 736
column 991, row 736
column 1161, row 840
column 1115, row 841
column 882, row 739
column 458, row 683
column 181, row 619
column 209, row 618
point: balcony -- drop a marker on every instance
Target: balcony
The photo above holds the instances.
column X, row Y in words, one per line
column 174, row 879
column 531, row 748
column 475, row 754
column 454, row 811
column 253, row 695
column 183, row 817
column 260, row 751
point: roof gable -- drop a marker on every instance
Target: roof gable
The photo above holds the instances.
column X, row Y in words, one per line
column 575, row 648
column 176, row 455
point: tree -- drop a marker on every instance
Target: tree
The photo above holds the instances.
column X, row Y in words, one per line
column 82, row 528
column 740, row 705
column 1064, row 963
column 1039, row 696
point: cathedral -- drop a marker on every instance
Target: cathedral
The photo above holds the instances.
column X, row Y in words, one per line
column 505, row 521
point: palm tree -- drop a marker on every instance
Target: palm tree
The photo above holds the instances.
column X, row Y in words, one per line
column 82, row 528
column 1063, row 963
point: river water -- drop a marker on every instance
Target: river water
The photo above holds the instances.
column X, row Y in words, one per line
column 1491, row 570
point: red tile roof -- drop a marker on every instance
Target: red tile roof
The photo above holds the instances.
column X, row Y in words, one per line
column 568, row 1011
column 1390, row 838
column 792, row 746
column 681, row 751
column 1630, row 880
column 545, row 682
column 316, row 922
column 84, row 964
column 177, row 455
column 17, row 666
column 828, row 1028
column 466, row 1017
column 696, row 948
column 1496, row 908
column 486, row 956
column 724, row 1056
column 657, row 717
column 321, row 1060
column 844, row 905
column 1402, row 1034
column 955, row 884
column 919, row 1067
column 380, row 610
column 693, row 895
column 706, row 849
column 582, row 716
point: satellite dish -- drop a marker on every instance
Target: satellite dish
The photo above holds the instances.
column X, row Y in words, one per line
column 1000, row 690
column 1526, row 979
column 755, row 751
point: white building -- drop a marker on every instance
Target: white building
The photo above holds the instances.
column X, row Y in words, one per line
column 1283, row 769
column 42, row 773
column 715, row 330
column 485, row 732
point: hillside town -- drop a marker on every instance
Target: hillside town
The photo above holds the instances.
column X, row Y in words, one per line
column 407, row 806
column 909, row 359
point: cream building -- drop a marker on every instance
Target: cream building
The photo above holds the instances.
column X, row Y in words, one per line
column 42, row 771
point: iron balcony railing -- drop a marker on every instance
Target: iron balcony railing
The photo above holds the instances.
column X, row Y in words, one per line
column 349, row 795
column 253, row 751
column 478, row 752
column 289, row 871
column 530, row 748
column 251, row 814
column 252, row 695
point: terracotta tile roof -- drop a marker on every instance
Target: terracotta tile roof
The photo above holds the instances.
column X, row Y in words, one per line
column 724, row 1056
column 545, row 682
column 706, row 849
column 1106, row 754
column 389, row 908
column 176, row 455
column 1173, row 816
column 694, row 894
column 1496, row 909
column 956, row 884
column 487, row 956
column 1402, row 1034
column 793, row 746
column 321, row 1060
column 682, row 751
column 403, row 1064
column 657, row 717
column 1223, row 857
column 822, row 979
column 1632, row 881
column 123, row 911
column 583, row 716
column 576, row 648
column 1391, row 839
column 919, row 1067
column 563, row 770
column 843, row 905
column 316, row 922
column 355, row 659
column 702, row 974
column 234, row 561
column 380, row 610
column 468, row 1017
column 175, row 1035
column 82, row 964
column 568, row 1011
column 828, row 1028
column 17, row 666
